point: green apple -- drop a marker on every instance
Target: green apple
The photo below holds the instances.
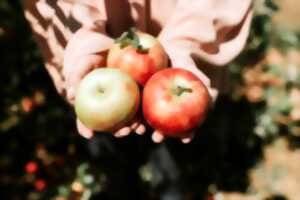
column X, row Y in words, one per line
column 106, row 99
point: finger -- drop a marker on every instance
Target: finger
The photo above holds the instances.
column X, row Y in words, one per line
column 83, row 66
column 188, row 139
column 141, row 129
column 84, row 42
column 135, row 124
column 83, row 130
column 84, row 14
column 157, row 136
column 122, row 132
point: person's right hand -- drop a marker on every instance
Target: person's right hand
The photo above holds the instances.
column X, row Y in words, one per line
column 86, row 51
column 180, row 58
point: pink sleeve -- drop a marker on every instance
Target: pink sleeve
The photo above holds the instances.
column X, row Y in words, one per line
column 213, row 31
column 59, row 26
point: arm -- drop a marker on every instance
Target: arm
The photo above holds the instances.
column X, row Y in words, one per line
column 73, row 41
column 62, row 27
column 211, row 31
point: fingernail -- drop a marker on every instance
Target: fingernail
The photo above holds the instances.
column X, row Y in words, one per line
column 84, row 131
column 157, row 137
column 125, row 133
column 122, row 133
column 186, row 140
column 86, row 134
column 117, row 135
column 140, row 130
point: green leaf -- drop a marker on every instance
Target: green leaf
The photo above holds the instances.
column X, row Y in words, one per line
column 270, row 4
column 131, row 38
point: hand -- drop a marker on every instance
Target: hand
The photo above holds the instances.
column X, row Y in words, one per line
column 135, row 125
column 82, row 56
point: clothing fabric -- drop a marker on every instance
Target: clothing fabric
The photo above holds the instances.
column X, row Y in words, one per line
column 197, row 34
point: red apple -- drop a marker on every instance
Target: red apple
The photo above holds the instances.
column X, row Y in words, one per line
column 106, row 99
column 175, row 101
column 139, row 54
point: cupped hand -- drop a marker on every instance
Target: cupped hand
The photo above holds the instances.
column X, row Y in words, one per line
column 135, row 126
column 180, row 58
column 87, row 51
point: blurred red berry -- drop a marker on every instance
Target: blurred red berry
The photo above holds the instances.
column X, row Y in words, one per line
column 31, row 167
column 27, row 104
column 210, row 197
column 40, row 184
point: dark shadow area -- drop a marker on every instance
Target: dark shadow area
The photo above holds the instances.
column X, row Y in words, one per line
column 221, row 153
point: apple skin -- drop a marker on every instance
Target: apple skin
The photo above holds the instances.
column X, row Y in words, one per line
column 173, row 112
column 106, row 99
column 140, row 65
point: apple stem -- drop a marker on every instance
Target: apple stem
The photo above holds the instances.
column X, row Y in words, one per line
column 131, row 38
column 179, row 90
column 100, row 90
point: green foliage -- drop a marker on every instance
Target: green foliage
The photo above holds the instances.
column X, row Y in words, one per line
column 270, row 58
column 35, row 123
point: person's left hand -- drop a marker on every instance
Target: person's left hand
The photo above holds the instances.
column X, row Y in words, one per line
column 86, row 51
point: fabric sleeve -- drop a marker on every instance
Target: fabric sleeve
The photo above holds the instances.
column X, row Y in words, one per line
column 213, row 31
column 58, row 26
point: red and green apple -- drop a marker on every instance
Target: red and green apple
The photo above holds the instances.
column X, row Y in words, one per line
column 175, row 101
column 139, row 54
column 106, row 99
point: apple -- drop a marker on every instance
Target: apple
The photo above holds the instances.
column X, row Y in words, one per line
column 175, row 101
column 106, row 99
column 139, row 54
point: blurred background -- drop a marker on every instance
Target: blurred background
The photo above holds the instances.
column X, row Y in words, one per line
column 248, row 148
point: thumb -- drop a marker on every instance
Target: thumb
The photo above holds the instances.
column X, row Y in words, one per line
column 83, row 66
